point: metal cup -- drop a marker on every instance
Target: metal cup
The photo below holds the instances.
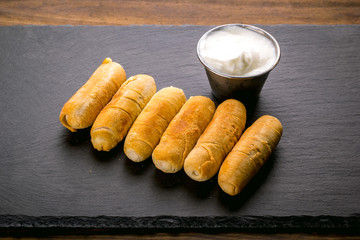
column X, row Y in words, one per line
column 226, row 86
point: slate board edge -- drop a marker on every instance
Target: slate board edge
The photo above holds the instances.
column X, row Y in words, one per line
column 304, row 223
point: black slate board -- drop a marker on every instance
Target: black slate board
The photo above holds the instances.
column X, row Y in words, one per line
column 50, row 177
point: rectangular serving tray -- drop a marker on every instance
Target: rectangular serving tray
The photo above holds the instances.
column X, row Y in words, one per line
column 50, row 177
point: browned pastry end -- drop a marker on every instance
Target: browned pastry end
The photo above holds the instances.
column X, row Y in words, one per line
column 220, row 136
column 182, row 134
column 249, row 154
column 83, row 107
column 152, row 122
column 115, row 120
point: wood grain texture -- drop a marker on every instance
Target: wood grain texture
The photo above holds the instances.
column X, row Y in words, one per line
column 163, row 12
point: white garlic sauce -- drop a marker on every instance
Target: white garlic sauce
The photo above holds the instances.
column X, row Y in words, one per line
column 238, row 51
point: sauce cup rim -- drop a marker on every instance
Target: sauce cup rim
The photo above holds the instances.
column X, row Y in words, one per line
column 249, row 27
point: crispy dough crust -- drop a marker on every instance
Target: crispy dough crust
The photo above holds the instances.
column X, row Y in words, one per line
column 152, row 122
column 115, row 120
column 83, row 107
column 220, row 136
column 249, row 154
column 182, row 133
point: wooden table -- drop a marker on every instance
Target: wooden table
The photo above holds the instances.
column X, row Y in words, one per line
column 192, row 12
column 195, row 12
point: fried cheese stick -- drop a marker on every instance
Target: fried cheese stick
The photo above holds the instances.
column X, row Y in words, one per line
column 220, row 136
column 83, row 107
column 182, row 134
column 152, row 122
column 115, row 120
column 249, row 154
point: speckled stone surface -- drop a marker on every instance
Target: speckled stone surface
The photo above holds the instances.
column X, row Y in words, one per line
column 51, row 177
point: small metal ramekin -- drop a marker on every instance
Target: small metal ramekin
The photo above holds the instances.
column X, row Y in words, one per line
column 226, row 86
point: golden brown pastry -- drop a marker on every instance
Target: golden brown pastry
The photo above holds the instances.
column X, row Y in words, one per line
column 182, row 133
column 219, row 137
column 249, row 154
column 115, row 120
column 83, row 107
column 150, row 125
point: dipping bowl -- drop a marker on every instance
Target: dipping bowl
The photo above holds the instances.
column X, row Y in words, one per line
column 244, row 88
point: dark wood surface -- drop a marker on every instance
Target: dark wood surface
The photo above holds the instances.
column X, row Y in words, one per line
column 192, row 12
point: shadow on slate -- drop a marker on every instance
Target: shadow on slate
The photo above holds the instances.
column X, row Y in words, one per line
column 137, row 168
column 234, row 203
column 103, row 156
column 80, row 137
